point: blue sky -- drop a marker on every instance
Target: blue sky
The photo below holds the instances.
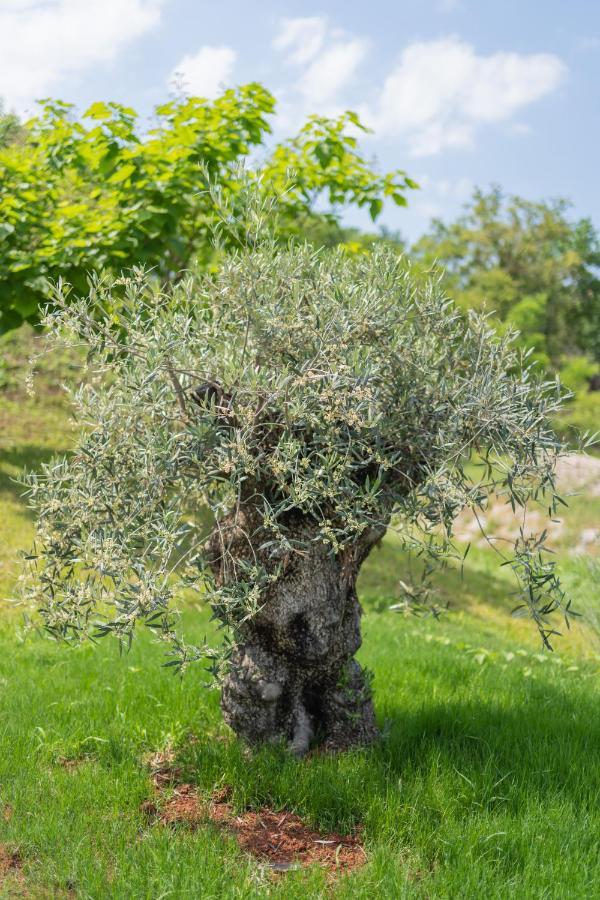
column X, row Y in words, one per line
column 459, row 92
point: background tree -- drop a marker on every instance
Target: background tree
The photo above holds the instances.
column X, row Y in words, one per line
column 99, row 193
column 529, row 263
column 308, row 401
column 11, row 129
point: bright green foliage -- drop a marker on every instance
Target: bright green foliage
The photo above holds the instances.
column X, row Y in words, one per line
column 101, row 193
column 577, row 372
column 335, row 389
column 530, row 264
column 323, row 156
column 580, row 417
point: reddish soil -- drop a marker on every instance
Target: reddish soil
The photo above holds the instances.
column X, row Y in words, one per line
column 280, row 839
column 284, row 841
column 184, row 805
column 10, row 864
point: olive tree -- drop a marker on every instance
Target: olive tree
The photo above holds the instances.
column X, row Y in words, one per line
column 251, row 435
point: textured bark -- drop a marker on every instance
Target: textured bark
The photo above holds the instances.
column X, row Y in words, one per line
column 293, row 677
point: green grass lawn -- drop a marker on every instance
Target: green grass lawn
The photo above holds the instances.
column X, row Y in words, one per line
column 486, row 784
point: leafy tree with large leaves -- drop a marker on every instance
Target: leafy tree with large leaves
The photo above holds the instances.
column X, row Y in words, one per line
column 99, row 193
column 530, row 263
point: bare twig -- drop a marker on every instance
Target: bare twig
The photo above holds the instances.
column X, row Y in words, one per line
column 178, row 391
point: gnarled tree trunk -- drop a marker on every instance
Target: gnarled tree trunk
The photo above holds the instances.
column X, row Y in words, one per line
column 293, row 676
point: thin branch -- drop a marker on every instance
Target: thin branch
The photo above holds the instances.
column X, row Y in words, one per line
column 178, row 391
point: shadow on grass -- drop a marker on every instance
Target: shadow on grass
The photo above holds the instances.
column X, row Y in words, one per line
column 446, row 756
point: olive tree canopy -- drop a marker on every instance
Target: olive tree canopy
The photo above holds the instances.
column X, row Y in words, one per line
column 306, row 402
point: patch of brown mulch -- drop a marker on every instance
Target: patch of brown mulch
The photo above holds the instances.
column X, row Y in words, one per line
column 283, row 840
column 162, row 769
column 73, row 763
column 280, row 839
column 184, row 805
column 11, row 864
column 12, row 879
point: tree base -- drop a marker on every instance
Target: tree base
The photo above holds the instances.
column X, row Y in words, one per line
column 293, row 677
column 265, row 701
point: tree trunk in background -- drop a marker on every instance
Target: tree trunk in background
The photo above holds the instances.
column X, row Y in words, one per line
column 293, row 677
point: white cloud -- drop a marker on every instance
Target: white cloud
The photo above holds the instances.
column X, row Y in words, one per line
column 206, row 72
column 327, row 58
column 301, row 38
column 437, row 96
column 332, row 71
column 442, row 90
column 44, row 42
